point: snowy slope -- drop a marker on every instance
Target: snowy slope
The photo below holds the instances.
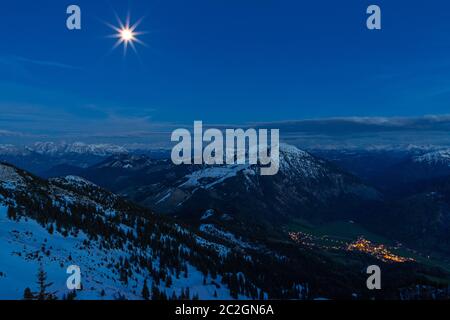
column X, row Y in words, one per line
column 71, row 221
column 22, row 253
column 26, row 244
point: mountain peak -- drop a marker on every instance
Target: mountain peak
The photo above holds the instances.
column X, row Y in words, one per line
column 52, row 148
column 293, row 150
column 435, row 157
column 9, row 175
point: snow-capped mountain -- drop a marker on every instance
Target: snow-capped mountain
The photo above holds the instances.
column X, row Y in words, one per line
column 397, row 171
column 119, row 246
column 51, row 148
column 305, row 186
column 411, row 174
column 9, row 149
column 55, row 149
column 235, row 248
column 131, row 162
column 53, row 159
column 440, row 157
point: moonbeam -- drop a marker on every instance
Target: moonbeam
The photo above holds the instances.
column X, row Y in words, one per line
column 233, row 151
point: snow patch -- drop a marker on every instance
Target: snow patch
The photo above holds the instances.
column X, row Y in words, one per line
column 208, row 213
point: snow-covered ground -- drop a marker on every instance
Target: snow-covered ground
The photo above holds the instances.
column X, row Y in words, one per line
column 25, row 245
column 225, row 235
column 209, row 177
column 436, row 157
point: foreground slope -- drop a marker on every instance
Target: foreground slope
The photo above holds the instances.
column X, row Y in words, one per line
column 118, row 245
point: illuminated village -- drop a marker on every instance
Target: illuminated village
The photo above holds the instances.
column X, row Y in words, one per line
column 363, row 245
column 378, row 251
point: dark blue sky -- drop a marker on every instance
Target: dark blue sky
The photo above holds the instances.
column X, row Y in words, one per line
column 220, row 61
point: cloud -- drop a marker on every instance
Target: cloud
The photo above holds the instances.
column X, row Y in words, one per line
column 83, row 121
column 44, row 63
column 7, row 133
column 26, row 122
column 364, row 132
column 14, row 60
column 363, row 124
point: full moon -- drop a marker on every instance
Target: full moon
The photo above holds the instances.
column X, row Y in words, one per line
column 126, row 34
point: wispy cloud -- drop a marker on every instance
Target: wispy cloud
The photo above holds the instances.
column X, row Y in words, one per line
column 54, row 64
column 12, row 59
column 7, row 133
column 24, row 122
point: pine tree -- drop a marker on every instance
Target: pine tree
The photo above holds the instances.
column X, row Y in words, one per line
column 261, row 295
column 51, row 229
column 168, row 281
column 155, row 292
column 43, row 286
column 145, row 291
column 27, row 294
column 71, row 295
column 11, row 213
column 234, row 286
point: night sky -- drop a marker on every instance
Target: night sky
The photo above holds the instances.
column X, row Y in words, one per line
column 221, row 61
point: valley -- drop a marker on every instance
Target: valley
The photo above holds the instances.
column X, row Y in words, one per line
column 305, row 232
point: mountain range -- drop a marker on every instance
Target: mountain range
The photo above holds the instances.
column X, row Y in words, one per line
column 63, row 221
column 284, row 236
